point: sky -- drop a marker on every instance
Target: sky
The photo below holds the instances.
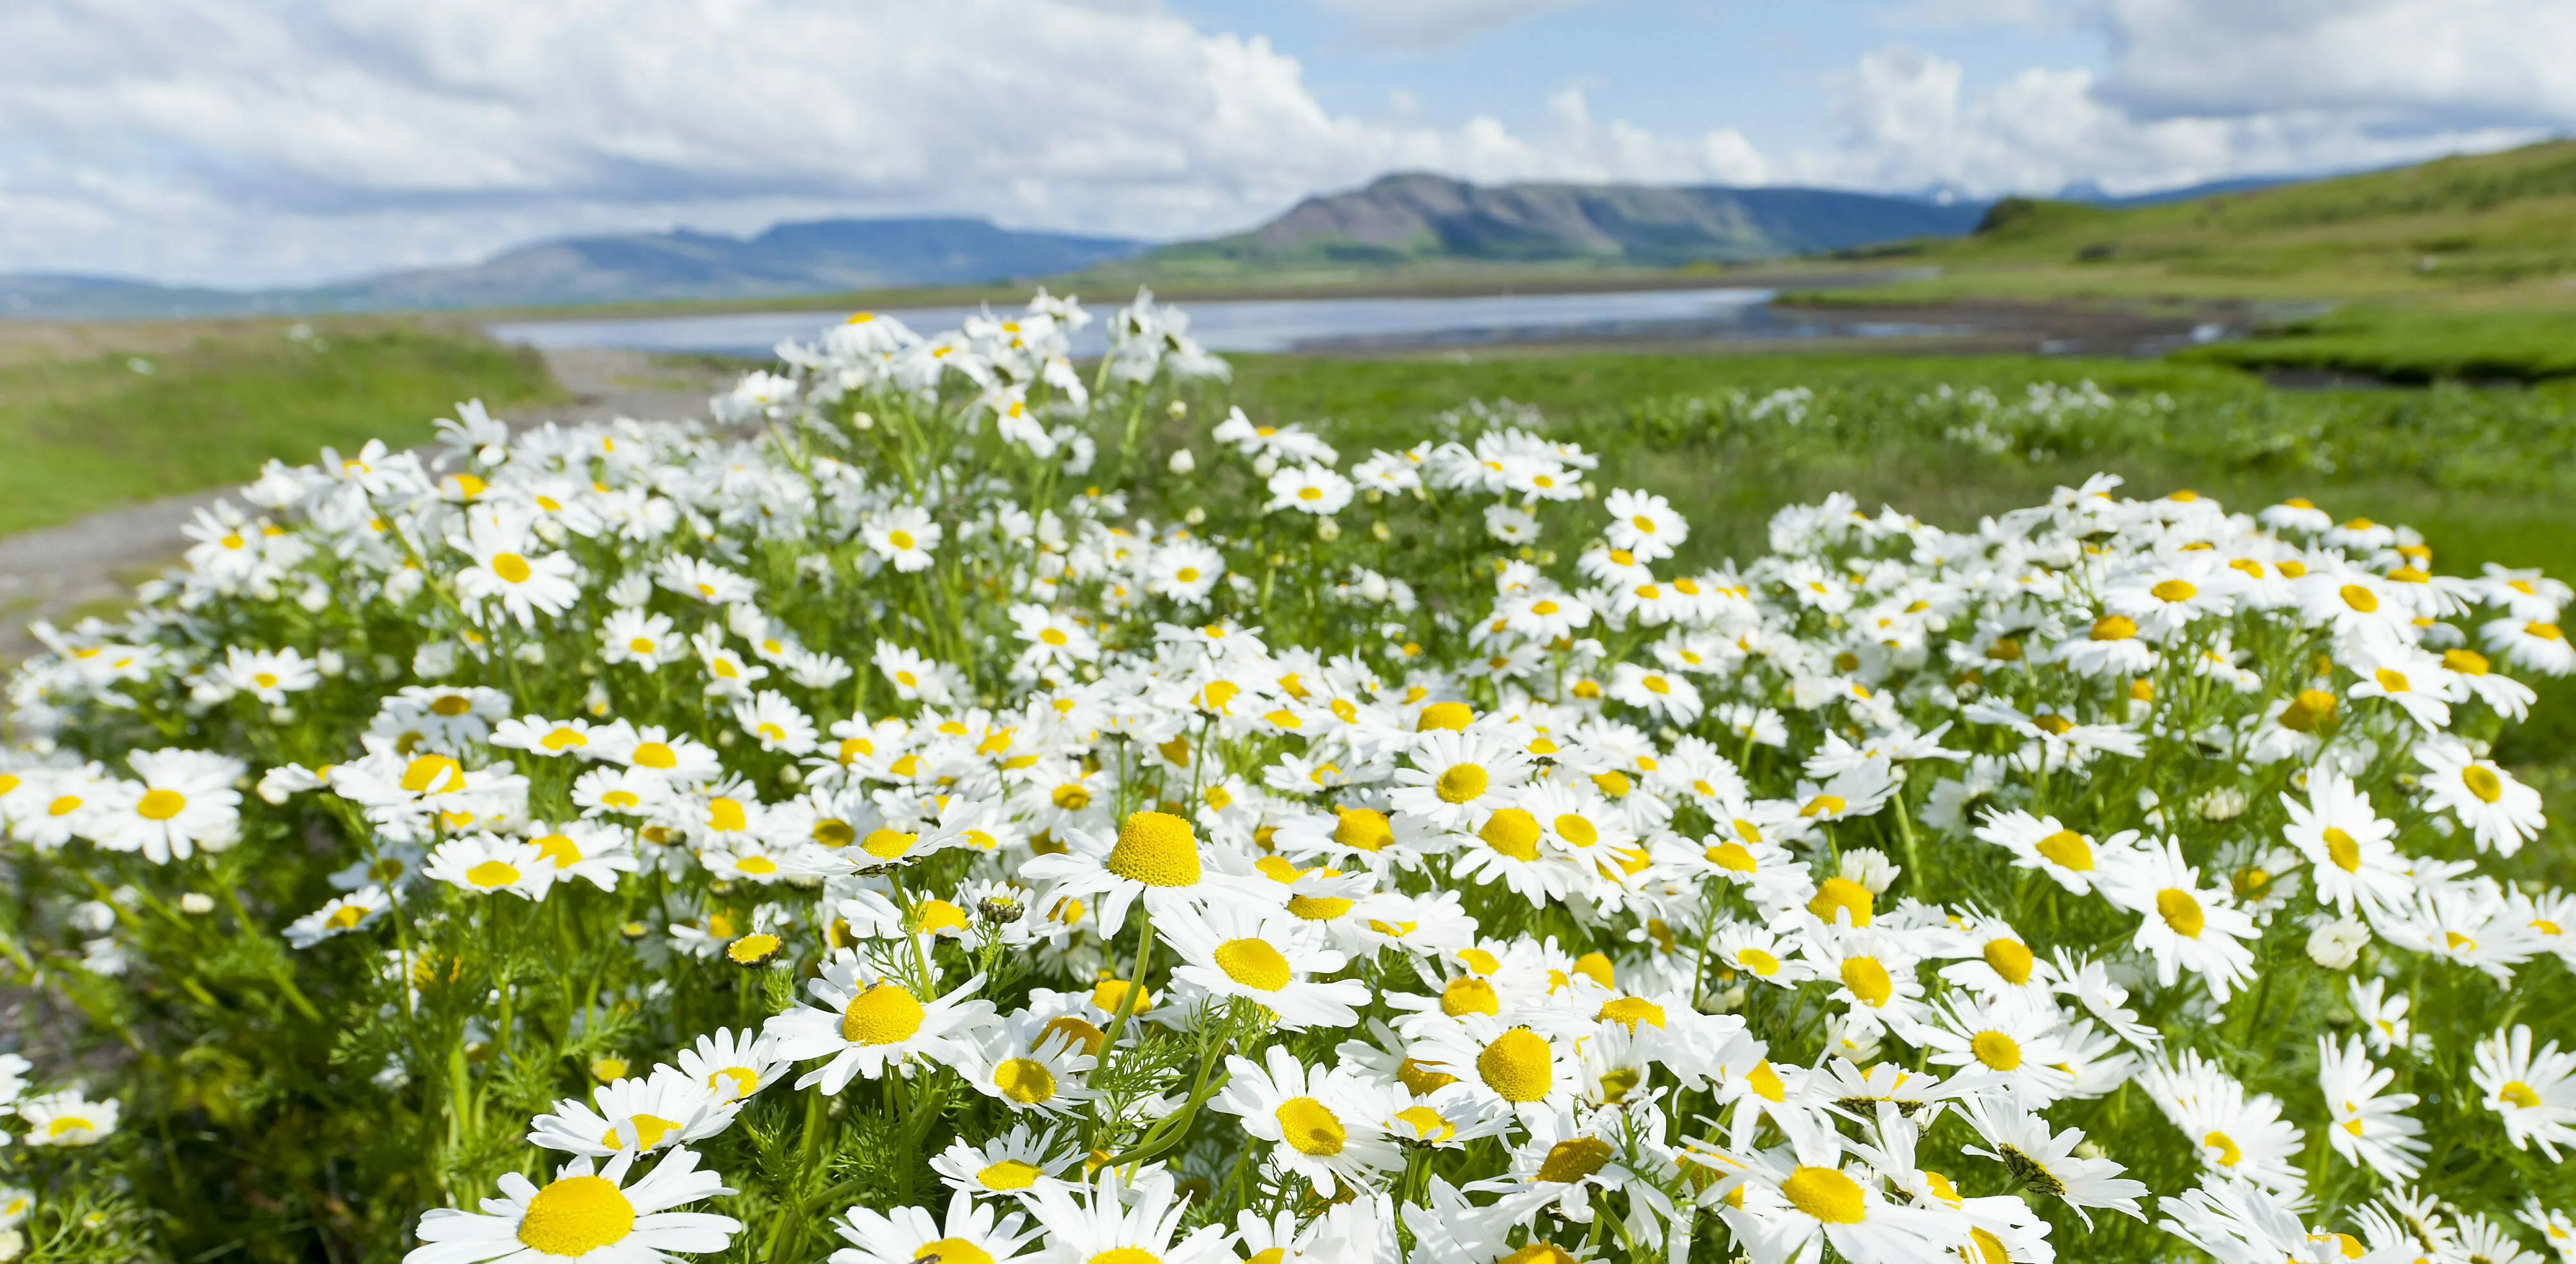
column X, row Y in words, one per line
column 286, row 142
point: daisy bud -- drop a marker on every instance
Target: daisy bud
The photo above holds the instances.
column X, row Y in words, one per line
column 196, row 904
column 1180, row 408
column 1182, row 463
column 2337, row 944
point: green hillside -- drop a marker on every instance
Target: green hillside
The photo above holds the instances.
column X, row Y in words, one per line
column 2475, row 231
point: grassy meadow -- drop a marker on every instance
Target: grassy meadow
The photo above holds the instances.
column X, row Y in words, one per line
column 132, row 413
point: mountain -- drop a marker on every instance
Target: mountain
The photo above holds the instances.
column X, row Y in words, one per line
column 1416, row 218
column 2088, row 191
column 816, row 257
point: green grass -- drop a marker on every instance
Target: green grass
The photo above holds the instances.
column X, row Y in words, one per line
column 2413, row 345
column 88, row 434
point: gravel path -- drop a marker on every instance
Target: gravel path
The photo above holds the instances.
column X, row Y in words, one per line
column 59, row 573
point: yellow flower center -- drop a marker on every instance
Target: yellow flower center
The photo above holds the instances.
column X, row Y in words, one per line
column 1538, row 1253
column 2341, row 849
column 742, row 1079
column 1157, row 849
column 576, row 1215
column 1310, row 1127
column 1362, row 829
column 510, row 566
column 1518, row 1066
column 2118, row 627
column 1846, row 895
column 1823, row 1193
column 2482, row 782
column 1074, row 1033
column 1868, row 980
column 1511, row 831
column 1024, row 1080
column 492, row 873
column 1468, row 994
column 1008, row 1174
column 2010, row 959
column 882, row 1015
column 2359, row 598
column 1757, row 961
column 1318, row 908
column 1461, row 783
column 433, row 774
column 1733, row 857
column 656, row 755
column 951, row 1251
column 2518, row 1093
column 725, row 816
column 2067, row 850
column 1571, row 1161
column 2181, row 911
column 886, row 844
column 1576, row 830
column 2175, row 590
column 2229, row 1153
column 1253, row 963
column 1996, row 1050
column 1628, row 1011
column 159, row 805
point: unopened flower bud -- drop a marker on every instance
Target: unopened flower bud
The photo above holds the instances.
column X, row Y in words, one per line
column 1182, row 462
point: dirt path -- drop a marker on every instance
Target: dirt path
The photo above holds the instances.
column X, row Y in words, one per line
column 60, row 573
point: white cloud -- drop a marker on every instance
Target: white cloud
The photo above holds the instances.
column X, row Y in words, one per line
column 313, row 138
column 1425, row 25
column 1909, row 123
column 2402, row 64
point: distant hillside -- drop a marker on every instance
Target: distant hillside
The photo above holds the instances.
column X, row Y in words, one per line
column 2501, row 225
column 1416, row 218
column 819, row 257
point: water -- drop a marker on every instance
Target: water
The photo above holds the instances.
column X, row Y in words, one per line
column 1258, row 325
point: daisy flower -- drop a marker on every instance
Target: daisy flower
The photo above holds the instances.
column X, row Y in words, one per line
column 733, row 1065
column 66, row 1118
column 1643, row 525
column 1801, row 1198
column 1030, row 1063
column 2357, row 867
column 2186, row 926
column 486, row 863
column 1324, row 1125
column 703, row 580
column 1513, row 1068
column 504, row 573
column 546, row 738
column 268, row 675
column 869, row 1021
column 586, row 849
column 972, row 1234
column 2534, row 1093
column 586, row 1213
column 2019, row 1139
column 640, row 637
column 1155, row 857
column 1184, row 570
column 2007, row 1037
column 342, row 915
column 1130, row 1224
column 1311, row 489
column 2500, row 811
column 1264, row 955
column 2531, row 644
column 1456, row 778
column 2240, row 1136
column 1660, row 694
column 903, row 535
column 2367, row 1129
column 186, row 800
column 1015, row 1165
column 645, row 1113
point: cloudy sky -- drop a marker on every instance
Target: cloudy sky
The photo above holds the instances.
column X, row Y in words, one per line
column 250, row 142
